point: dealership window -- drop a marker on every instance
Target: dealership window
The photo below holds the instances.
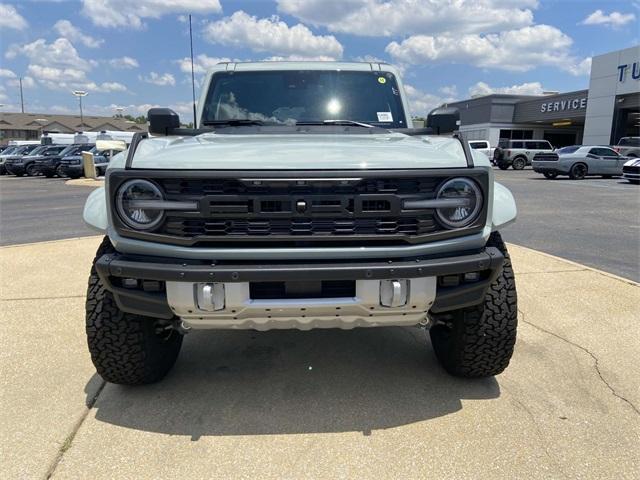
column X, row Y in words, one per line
column 516, row 134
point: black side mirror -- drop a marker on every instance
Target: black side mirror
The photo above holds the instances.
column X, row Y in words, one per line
column 444, row 120
column 162, row 121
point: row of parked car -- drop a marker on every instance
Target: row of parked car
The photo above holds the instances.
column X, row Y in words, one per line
column 576, row 161
column 51, row 160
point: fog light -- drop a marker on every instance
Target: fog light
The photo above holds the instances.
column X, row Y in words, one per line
column 210, row 296
column 472, row 277
column 394, row 293
column 449, row 281
column 130, row 282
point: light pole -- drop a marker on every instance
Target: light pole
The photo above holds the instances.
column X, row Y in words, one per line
column 80, row 94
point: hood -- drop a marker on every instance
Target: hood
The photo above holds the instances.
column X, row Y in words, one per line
column 302, row 151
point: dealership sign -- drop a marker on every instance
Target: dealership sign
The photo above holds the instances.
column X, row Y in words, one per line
column 564, row 105
column 635, row 71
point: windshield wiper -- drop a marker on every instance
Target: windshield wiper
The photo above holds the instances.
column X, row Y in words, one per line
column 232, row 122
column 337, row 122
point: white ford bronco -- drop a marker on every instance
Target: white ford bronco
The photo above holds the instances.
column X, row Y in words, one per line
column 303, row 198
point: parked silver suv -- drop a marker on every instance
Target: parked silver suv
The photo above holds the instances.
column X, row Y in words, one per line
column 519, row 153
column 628, row 146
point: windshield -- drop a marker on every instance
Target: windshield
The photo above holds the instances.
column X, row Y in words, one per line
column 24, row 150
column 287, row 97
column 9, row 151
column 38, row 150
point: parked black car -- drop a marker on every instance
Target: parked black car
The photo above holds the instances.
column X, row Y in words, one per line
column 49, row 165
column 22, row 160
column 72, row 166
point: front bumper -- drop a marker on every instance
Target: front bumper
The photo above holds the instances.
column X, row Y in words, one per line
column 46, row 169
column 128, row 278
column 15, row 168
column 72, row 170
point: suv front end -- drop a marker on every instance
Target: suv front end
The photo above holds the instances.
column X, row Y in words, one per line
column 266, row 223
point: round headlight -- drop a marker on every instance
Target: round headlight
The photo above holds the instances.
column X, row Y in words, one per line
column 469, row 200
column 132, row 202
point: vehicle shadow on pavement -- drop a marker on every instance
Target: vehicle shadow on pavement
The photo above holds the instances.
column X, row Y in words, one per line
column 288, row 381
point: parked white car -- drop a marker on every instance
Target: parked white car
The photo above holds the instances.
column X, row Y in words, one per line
column 631, row 170
column 482, row 146
column 579, row 161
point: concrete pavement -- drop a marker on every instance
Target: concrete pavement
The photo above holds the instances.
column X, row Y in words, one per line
column 369, row 403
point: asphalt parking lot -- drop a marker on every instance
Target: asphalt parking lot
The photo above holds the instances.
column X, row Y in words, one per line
column 595, row 222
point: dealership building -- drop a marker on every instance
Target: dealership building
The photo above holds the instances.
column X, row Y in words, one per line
column 601, row 115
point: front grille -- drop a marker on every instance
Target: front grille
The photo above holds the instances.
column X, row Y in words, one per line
column 631, row 169
column 314, row 227
column 310, row 210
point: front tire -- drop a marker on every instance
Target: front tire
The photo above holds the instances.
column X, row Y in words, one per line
column 125, row 348
column 478, row 341
column 503, row 166
column 60, row 172
column 31, row 170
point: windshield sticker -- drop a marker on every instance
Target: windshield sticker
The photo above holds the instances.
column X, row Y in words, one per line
column 385, row 117
column 382, row 80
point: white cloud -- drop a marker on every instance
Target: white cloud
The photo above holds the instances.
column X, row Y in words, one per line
column 271, row 35
column 10, row 18
column 27, row 82
column 60, row 53
column 513, row 50
column 614, row 19
column 131, row 13
column 409, row 17
column 5, row 73
column 112, row 87
column 123, row 63
column 201, row 63
column 161, row 79
column 58, row 66
column 67, row 30
column 449, row 90
column 531, row 88
column 421, row 103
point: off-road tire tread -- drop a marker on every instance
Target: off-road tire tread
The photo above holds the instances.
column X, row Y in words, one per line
column 123, row 346
column 482, row 338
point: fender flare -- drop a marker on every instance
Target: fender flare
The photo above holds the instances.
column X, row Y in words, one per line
column 95, row 213
column 504, row 207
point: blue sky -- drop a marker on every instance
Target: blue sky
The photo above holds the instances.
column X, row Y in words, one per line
column 133, row 54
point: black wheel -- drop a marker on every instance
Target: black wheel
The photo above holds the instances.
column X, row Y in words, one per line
column 478, row 341
column 578, row 171
column 503, row 166
column 125, row 348
column 519, row 163
column 60, row 172
column 550, row 175
column 31, row 170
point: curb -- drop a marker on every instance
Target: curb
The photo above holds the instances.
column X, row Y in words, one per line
column 576, row 264
column 85, row 182
column 2, row 247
